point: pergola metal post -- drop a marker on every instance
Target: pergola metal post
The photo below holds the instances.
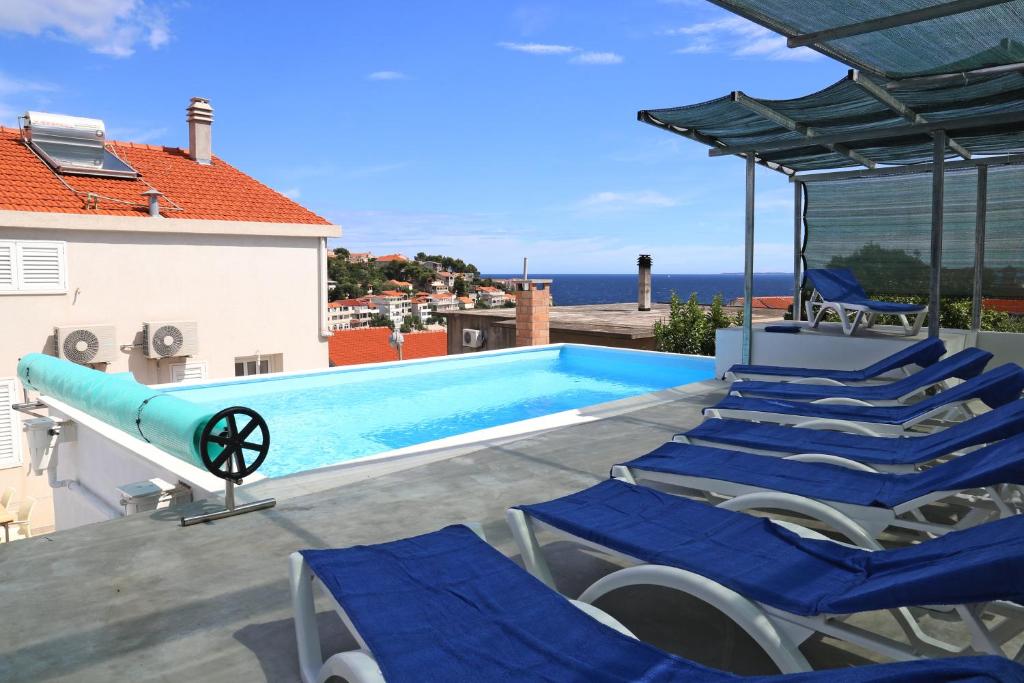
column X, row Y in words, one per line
column 748, row 266
column 938, row 193
column 798, row 233
column 981, row 211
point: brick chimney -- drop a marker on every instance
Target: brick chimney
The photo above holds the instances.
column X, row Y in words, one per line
column 643, row 285
column 533, row 302
column 199, row 116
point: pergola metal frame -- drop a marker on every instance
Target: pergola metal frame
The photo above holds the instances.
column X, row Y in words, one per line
column 941, row 133
column 817, row 40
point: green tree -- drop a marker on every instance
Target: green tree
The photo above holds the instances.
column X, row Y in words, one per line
column 460, row 288
column 717, row 319
column 689, row 329
column 380, row 320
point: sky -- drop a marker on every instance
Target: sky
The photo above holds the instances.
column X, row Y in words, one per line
column 485, row 130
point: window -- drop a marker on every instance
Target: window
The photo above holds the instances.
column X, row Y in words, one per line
column 32, row 267
column 251, row 366
column 10, row 436
column 189, row 370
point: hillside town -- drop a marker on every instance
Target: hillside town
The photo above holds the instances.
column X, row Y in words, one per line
column 405, row 294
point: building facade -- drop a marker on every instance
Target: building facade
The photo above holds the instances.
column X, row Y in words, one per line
column 186, row 244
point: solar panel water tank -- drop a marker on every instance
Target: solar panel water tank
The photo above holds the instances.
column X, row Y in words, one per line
column 73, row 145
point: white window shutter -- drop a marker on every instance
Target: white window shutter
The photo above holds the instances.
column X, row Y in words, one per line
column 8, row 268
column 41, row 266
column 10, row 435
column 190, row 370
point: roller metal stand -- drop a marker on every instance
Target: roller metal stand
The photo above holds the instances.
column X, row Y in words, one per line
column 223, row 448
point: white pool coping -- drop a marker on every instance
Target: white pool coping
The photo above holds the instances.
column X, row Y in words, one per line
column 205, row 480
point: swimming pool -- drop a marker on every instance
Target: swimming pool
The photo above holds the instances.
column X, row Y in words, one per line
column 329, row 417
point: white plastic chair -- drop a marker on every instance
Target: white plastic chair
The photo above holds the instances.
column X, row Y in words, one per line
column 21, row 527
column 6, row 497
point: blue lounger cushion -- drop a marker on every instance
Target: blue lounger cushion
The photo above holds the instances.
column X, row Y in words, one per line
column 994, row 388
column 774, row 566
column 841, row 285
column 1005, row 421
column 445, row 606
column 922, row 353
column 999, row 463
column 961, row 365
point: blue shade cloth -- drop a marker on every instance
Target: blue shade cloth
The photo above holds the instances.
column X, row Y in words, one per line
column 1003, row 422
column 840, row 285
column 783, row 329
column 445, row 606
column 772, row 565
column 922, row 353
column 961, row 365
column 994, row 388
column 1000, row 463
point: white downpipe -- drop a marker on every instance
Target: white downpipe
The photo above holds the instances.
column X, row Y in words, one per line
column 322, row 287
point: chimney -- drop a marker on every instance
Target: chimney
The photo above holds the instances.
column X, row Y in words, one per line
column 153, row 195
column 199, row 116
column 533, row 301
column 643, row 287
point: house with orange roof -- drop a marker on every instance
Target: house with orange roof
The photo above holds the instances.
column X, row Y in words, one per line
column 492, row 297
column 346, row 314
column 166, row 262
column 360, row 257
column 393, row 304
column 399, row 284
column 390, row 258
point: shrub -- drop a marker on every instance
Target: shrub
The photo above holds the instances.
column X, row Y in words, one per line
column 689, row 329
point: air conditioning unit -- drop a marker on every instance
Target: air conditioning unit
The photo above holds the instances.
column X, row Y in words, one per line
column 84, row 344
column 473, row 339
column 170, row 339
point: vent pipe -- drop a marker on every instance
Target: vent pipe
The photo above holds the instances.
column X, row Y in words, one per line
column 643, row 287
column 153, row 195
column 199, row 116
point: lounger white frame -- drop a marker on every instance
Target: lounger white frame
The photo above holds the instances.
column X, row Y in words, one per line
column 891, row 376
column 983, row 504
column 777, row 632
column 737, row 390
column 881, row 467
column 943, row 415
column 852, row 315
column 358, row 666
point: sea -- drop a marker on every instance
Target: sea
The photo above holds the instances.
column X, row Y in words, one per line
column 575, row 290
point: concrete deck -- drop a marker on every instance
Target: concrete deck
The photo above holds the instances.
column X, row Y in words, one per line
column 141, row 598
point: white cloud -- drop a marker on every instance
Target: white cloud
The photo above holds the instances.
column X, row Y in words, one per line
column 597, row 58
column 292, row 193
column 738, row 37
column 386, row 76
column 110, row 27
column 616, row 201
column 539, row 48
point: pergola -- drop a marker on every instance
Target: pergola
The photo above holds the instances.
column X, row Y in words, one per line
column 935, row 86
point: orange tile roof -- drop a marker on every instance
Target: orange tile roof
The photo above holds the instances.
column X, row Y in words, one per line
column 370, row 345
column 346, row 302
column 392, row 257
column 391, row 292
column 1004, row 305
column 466, row 300
column 778, row 303
column 215, row 192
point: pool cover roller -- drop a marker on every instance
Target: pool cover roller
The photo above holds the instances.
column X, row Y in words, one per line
column 169, row 423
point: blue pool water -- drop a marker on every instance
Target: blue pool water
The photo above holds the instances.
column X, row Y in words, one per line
column 330, row 417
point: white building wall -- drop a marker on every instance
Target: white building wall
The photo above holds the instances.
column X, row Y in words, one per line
column 250, row 295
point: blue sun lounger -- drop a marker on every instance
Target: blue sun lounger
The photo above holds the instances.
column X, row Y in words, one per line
column 961, row 365
column 783, row 584
column 445, row 606
column 983, row 484
column 920, row 354
column 994, row 388
column 901, row 453
column 838, row 289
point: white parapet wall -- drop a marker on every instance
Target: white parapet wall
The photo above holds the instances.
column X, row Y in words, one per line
column 827, row 347
column 95, row 459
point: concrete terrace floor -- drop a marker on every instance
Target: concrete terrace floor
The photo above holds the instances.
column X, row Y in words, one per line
column 141, row 598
